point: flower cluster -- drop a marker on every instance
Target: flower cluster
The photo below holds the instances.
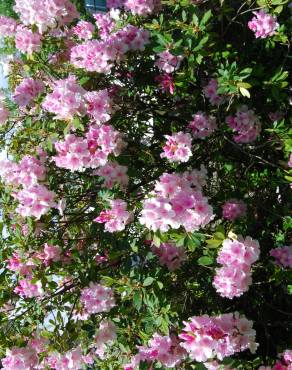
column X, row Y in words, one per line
column 263, row 24
column 285, row 361
column 113, row 4
column 66, row 100
column 236, row 257
column 45, row 14
column 166, row 82
column 22, row 265
column 233, row 209
column 116, row 218
column 83, row 30
column 283, row 256
column 202, row 126
column 177, row 201
column 207, row 337
column 99, row 105
column 4, row 113
column 76, row 153
column 246, row 124
column 178, row 147
column 7, row 26
column 50, row 253
column 113, row 173
column 104, row 23
column 35, row 200
column 142, row 7
column 98, row 55
column 70, row 360
column 165, row 349
column 27, row 90
column 210, row 92
column 97, row 298
column 28, row 289
column 27, row 41
column 168, row 62
column 20, row 358
column 105, row 336
column 170, row 255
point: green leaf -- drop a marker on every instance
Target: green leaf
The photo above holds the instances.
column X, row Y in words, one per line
column 206, row 17
column 205, row 261
column 244, row 92
column 213, row 243
column 148, row 281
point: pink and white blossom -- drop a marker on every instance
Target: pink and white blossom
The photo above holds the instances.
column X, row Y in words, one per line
column 263, row 24
column 170, row 255
column 16, row 358
column 27, row 41
column 27, row 289
column 97, row 298
column 27, row 90
column 116, row 218
column 178, row 147
column 233, row 209
column 168, row 62
column 7, row 26
column 210, row 91
column 84, row 30
column 283, row 256
column 202, row 126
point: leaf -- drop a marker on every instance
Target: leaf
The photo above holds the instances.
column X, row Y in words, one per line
column 137, row 300
column 213, row 243
column 205, row 261
column 206, row 17
column 244, row 92
column 148, row 281
column 156, row 240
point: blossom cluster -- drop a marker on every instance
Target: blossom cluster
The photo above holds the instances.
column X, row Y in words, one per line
column 178, row 147
column 233, row 209
column 72, row 359
column 236, row 257
column 20, row 358
column 27, row 90
column 28, row 289
column 98, row 55
column 168, row 62
column 7, row 26
column 76, row 153
column 206, row 337
column 142, row 7
column 283, row 256
column 27, row 41
column 210, row 91
column 246, row 125
column 21, row 264
column 104, row 23
column 170, row 255
column 83, row 30
column 164, row 349
column 45, row 14
column 97, row 298
column 263, row 24
column 202, row 126
column 4, row 113
column 106, row 335
column 177, row 201
column 116, row 218
column 99, row 105
column 113, row 173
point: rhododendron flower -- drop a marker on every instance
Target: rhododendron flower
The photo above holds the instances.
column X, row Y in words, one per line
column 104, row 23
column 66, row 100
column 83, row 30
column 142, row 7
column 168, row 62
column 45, row 13
column 215, row 365
column 166, row 82
column 202, row 126
column 7, row 26
column 236, row 256
column 178, row 147
column 113, row 173
column 233, row 209
column 27, row 289
column 35, row 201
column 27, row 41
column 246, row 124
column 50, row 253
column 72, row 359
column 116, row 218
column 24, row 358
column 23, row 266
column 99, row 105
column 4, row 113
column 27, row 90
column 97, row 298
column 105, row 336
column 206, row 337
column 283, row 256
column 210, row 92
column 170, row 255
column 39, row 344
column 112, row 4
column 177, row 201
column 263, row 24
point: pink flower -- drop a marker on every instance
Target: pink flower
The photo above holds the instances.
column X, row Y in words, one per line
column 178, row 147
column 84, row 30
column 23, row 266
column 27, row 289
column 170, row 255
column 283, row 256
column 112, row 4
column 168, row 62
column 106, row 335
column 66, row 100
column 116, row 218
column 27, row 41
column 72, row 359
column 246, row 124
column 27, row 90
column 113, row 174
column 99, row 105
column 4, row 113
column 233, row 209
column 97, row 298
column 20, row 359
column 210, row 92
column 7, row 26
column 45, row 14
column 166, row 82
column 236, row 257
column 206, row 337
column 51, row 253
column 142, row 7
column 202, row 126
column 263, row 24
column 104, row 23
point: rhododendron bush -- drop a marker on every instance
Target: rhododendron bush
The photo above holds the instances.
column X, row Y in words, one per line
column 145, row 180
